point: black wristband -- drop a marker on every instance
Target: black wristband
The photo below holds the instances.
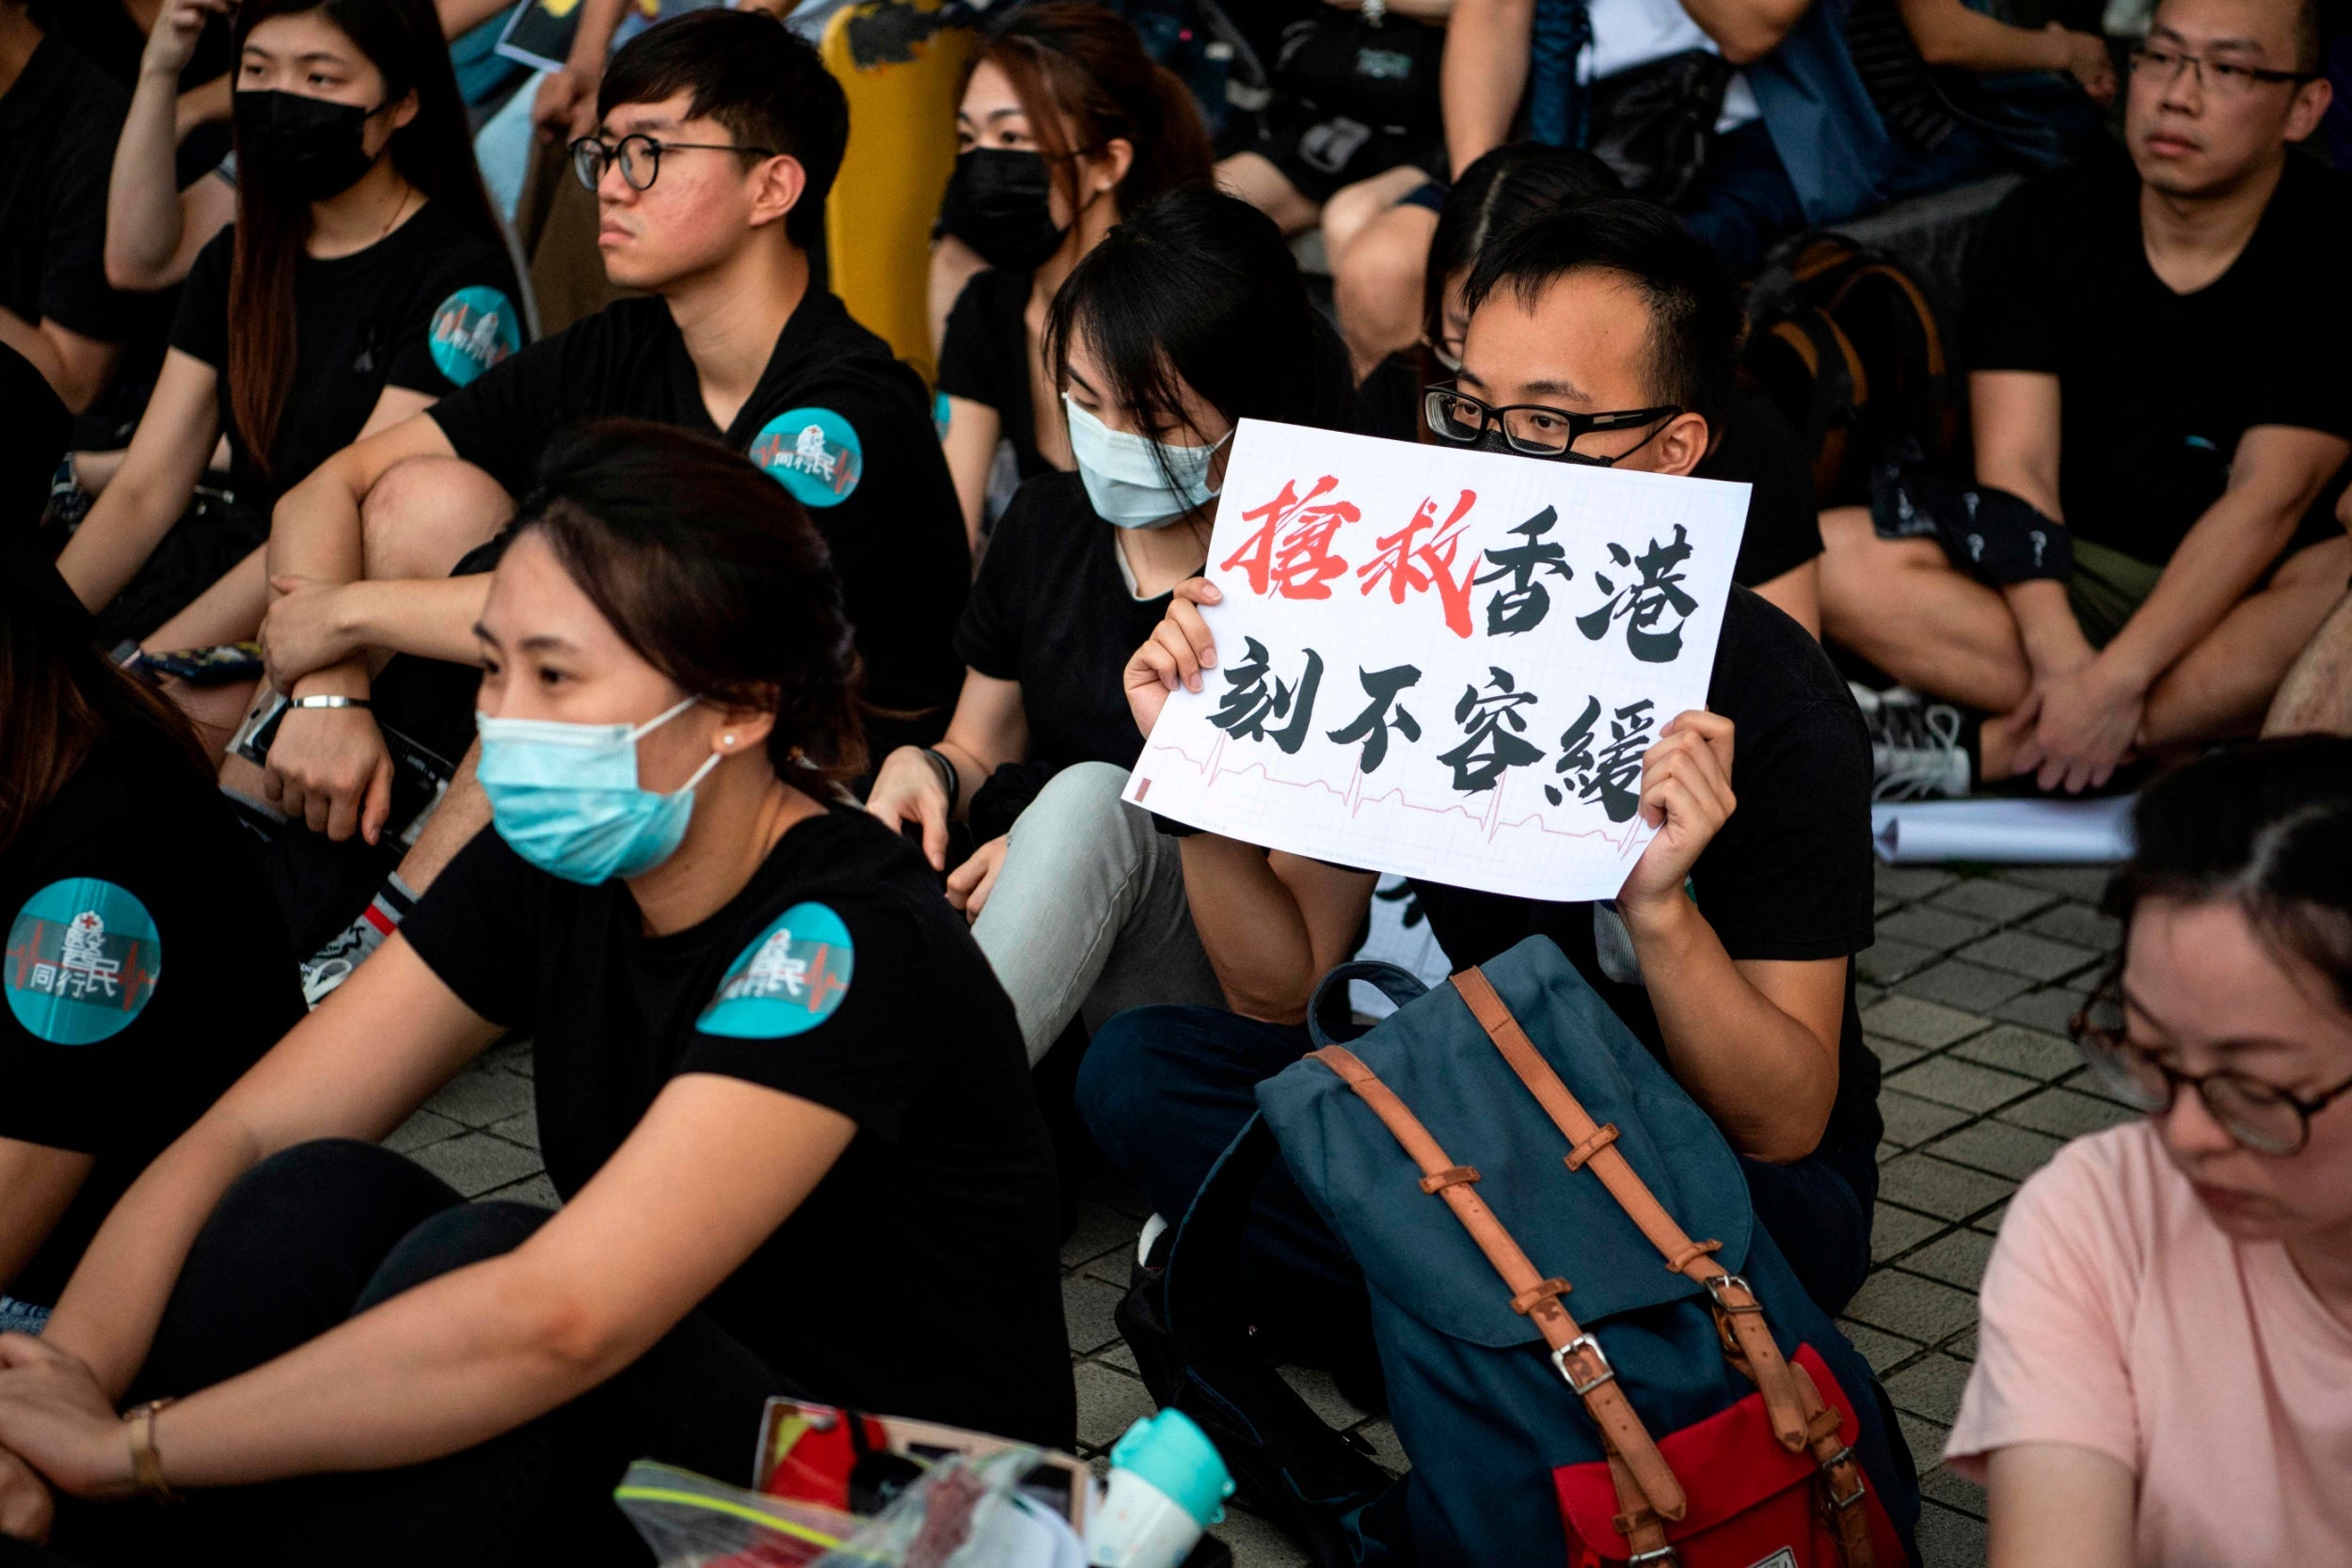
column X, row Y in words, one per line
column 949, row 779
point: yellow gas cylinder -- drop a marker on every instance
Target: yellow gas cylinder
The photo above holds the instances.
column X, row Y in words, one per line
column 899, row 67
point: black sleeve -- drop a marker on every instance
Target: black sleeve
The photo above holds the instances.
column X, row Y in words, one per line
column 478, row 928
column 200, row 325
column 2012, row 312
column 1783, row 523
column 988, row 639
column 499, row 422
column 964, row 351
column 1789, row 875
column 831, row 1001
column 2297, row 374
column 463, row 322
column 74, row 292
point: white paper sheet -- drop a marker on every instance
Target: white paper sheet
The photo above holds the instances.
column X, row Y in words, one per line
column 2003, row 831
column 1535, row 623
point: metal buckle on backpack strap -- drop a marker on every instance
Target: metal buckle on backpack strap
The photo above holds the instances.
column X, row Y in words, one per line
column 1653, row 1560
column 1583, row 1342
column 1718, row 1284
column 1861, row 1488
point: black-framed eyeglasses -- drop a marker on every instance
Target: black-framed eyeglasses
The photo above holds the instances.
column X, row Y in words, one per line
column 1532, row 428
column 2258, row 1115
column 639, row 157
column 2222, row 76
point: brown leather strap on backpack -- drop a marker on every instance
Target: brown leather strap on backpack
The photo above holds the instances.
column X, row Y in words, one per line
column 1646, row 1487
column 1838, row 1487
column 1738, row 1315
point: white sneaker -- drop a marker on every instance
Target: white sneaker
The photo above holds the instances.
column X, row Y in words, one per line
column 1916, row 753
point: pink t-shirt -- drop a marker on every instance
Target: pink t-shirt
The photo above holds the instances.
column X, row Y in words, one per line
column 2117, row 1316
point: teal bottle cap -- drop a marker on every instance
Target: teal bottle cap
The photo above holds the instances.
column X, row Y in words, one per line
column 1176, row 1456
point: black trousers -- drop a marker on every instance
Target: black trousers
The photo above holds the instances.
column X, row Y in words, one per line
column 321, row 1232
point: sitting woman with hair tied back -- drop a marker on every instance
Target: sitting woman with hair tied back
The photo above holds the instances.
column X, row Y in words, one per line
column 1186, row 319
column 783, row 1101
column 2164, row 1374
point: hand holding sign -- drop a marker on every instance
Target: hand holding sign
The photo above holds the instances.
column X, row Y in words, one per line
column 1360, row 584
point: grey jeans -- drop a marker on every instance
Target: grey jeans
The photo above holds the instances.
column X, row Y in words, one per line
column 1089, row 912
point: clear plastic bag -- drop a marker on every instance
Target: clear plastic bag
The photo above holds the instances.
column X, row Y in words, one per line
column 964, row 1513
column 691, row 1521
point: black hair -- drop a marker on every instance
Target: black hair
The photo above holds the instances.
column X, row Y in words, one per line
column 2265, row 826
column 713, row 573
column 751, row 74
column 434, row 153
column 1201, row 289
column 1694, row 314
column 1501, row 189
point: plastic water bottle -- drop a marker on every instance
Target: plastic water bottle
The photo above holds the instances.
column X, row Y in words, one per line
column 1168, row 1485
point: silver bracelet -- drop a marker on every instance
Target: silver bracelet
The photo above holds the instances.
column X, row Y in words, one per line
column 328, row 702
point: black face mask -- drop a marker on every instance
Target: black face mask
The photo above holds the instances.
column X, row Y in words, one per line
column 1492, row 439
column 307, row 148
column 1000, row 203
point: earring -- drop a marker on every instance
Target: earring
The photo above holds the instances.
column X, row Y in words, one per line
column 727, row 740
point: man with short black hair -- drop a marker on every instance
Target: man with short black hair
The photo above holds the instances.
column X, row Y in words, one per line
column 2162, row 423
column 721, row 134
column 1618, row 326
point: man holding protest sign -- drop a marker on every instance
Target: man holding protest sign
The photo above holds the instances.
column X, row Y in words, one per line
column 1601, row 338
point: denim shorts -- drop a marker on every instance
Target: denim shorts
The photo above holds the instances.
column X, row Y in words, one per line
column 22, row 1317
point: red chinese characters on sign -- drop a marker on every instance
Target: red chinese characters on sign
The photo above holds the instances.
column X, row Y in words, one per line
column 1299, row 563
column 1413, row 564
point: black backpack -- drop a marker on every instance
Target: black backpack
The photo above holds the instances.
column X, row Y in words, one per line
column 1849, row 344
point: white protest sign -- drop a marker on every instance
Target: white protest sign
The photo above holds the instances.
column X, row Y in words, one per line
column 1443, row 663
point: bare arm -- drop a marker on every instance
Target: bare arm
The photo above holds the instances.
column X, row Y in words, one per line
column 1949, row 33
column 2014, row 415
column 76, row 368
column 153, row 230
column 973, row 431
column 989, row 729
column 166, row 456
column 2058, row 1505
column 1482, row 75
column 40, row 1182
column 464, row 16
column 354, row 1068
column 709, row 1173
column 1746, row 30
column 565, row 106
column 1271, row 922
column 1753, row 1040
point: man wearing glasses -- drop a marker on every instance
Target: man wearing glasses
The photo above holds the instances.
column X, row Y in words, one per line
column 720, row 137
column 2162, row 420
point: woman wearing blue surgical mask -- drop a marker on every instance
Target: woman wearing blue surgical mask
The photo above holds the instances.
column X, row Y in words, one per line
column 780, row 1095
column 1186, row 319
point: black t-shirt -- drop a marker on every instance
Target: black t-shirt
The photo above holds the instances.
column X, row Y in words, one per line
column 1789, row 875
column 429, row 307
column 2156, row 388
column 147, row 968
column 984, row 357
column 1756, row 446
column 106, row 36
column 1053, row 611
column 920, row 1276
column 842, row 425
column 59, row 125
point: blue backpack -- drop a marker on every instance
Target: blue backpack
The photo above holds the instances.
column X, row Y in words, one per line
column 1575, row 1382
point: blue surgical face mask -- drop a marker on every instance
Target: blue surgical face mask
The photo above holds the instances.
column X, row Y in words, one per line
column 565, row 797
column 1124, row 477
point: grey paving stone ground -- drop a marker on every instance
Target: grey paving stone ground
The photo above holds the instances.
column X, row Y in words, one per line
column 1964, row 999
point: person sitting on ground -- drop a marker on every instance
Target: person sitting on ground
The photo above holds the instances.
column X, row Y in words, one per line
column 777, row 1087
column 1728, row 951
column 1187, row 317
column 58, row 118
column 721, row 134
column 119, row 864
column 2158, row 401
column 2164, row 1367
column 364, row 278
column 1796, row 139
column 1352, row 125
column 1752, row 443
column 1064, row 125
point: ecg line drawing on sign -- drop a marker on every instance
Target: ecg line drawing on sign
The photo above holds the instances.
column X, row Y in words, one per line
column 1354, row 798
column 1442, row 663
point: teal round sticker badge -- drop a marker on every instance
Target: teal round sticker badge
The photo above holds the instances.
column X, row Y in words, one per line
column 472, row 330
column 83, row 961
column 814, row 452
column 788, row 982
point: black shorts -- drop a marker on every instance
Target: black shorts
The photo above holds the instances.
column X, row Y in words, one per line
column 1319, row 154
column 213, row 535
